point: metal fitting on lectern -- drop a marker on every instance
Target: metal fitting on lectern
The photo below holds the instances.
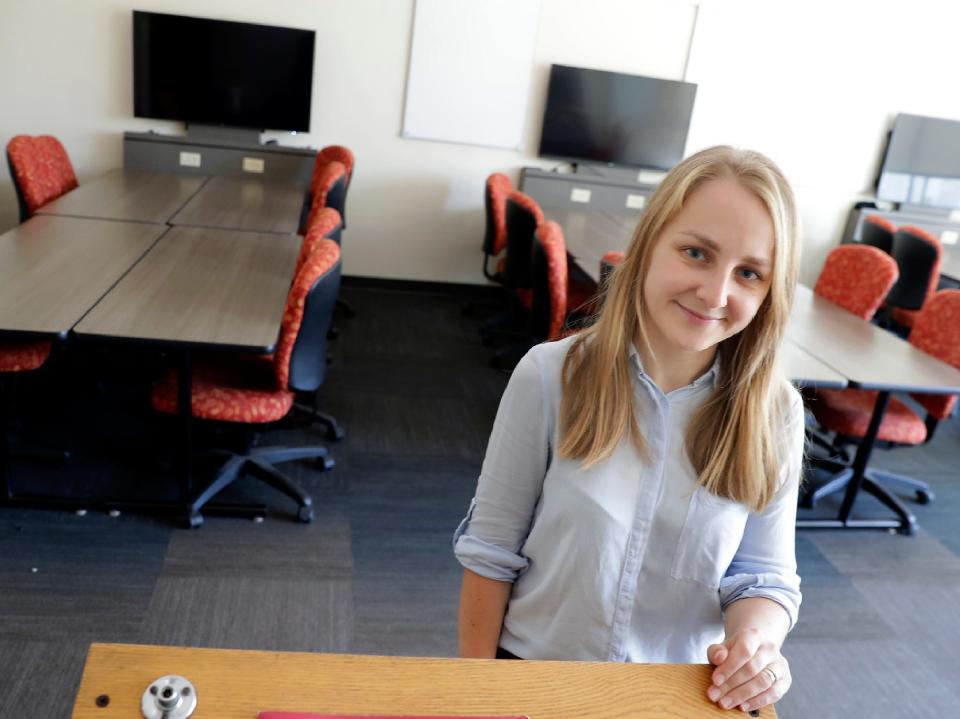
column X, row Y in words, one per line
column 169, row 697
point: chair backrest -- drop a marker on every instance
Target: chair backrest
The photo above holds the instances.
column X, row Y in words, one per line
column 917, row 253
column 330, row 189
column 334, row 153
column 41, row 171
column 548, row 311
column 877, row 231
column 936, row 331
column 607, row 263
column 523, row 214
column 495, row 203
column 300, row 362
column 325, row 225
column 857, row 278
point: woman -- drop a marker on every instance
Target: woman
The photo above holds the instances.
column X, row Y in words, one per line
column 638, row 495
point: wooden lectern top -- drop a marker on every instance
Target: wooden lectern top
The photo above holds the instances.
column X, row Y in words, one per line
column 235, row 684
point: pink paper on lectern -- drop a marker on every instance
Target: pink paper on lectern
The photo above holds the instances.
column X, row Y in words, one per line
column 302, row 715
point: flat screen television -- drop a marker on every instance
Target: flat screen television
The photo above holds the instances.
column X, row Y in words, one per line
column 610, row 117
column 922, row 163
column 216, row 72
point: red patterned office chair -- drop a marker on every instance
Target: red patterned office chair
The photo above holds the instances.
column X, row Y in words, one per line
column 334, row 153
column 326, row 224
column 41, row 171
column 918, row 254
column 521, row 218
column 498, row 187
column 552, row 313
column 858, row 278
column 329, row 188
column 548, row 311
column 847, row 412
column 256, row 390
column 877, row 231
column 522, row 215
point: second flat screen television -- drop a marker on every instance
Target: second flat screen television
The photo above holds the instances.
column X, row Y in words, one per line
column 610, row 117
column 217, row 72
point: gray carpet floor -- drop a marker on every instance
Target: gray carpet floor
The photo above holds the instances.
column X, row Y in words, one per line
column 374, row 573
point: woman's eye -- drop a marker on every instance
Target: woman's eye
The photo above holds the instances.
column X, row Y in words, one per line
column 749, row 274
column 694, row 253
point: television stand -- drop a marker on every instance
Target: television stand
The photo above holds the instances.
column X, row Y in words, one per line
column 226, row 153
column 587, row 191
column 220, row 133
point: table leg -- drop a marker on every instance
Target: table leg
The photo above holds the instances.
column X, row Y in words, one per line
column 863, row 455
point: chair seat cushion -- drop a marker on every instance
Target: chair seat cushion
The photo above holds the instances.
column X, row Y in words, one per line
column 23, row 356
column 228, row 388
column 848, row 412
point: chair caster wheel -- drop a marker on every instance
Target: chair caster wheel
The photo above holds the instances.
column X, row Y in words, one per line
column 305, row 515
column 195, row 520
column 924, row 496
column 325, row 464
column 335, row 434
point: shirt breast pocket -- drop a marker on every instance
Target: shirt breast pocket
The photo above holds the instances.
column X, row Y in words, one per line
column 711, row 534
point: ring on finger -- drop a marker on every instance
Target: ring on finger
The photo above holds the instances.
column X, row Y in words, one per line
column 768, row 670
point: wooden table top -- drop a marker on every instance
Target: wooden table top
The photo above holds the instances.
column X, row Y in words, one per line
column 805, row 370
column 54, row 269
column 202, row 287
column 131, row 195
column 238, row 203
column 235, row 684
column 871, row 357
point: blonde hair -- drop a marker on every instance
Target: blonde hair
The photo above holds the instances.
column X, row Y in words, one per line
column 732, row 439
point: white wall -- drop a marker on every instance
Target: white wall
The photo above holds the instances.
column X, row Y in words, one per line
column 816, row 85
column 813, row 84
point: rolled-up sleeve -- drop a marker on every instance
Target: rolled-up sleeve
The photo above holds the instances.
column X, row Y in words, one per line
column 490, row 538
column 765, row 564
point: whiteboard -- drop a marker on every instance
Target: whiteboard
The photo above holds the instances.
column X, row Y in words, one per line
column 470, row 67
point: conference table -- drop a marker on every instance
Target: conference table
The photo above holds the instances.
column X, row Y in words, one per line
column 128, row 195
column 844, row 348
column 132, row 277
column 239, row 203
column 239, row 684
column 54, row 269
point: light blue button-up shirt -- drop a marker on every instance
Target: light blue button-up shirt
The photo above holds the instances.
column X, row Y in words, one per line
column 630, row 560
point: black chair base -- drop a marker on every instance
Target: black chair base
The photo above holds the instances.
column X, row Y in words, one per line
column 905, row 523
column 258, row 462
column 922, row 494
column 334, row 432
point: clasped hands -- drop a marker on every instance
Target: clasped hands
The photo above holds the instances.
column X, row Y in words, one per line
column 750, row 671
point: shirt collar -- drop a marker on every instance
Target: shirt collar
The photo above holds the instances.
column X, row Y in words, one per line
column 710, row 375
